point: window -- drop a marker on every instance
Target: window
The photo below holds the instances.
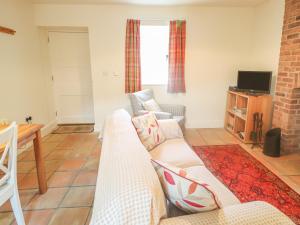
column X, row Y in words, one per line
column 154, row 54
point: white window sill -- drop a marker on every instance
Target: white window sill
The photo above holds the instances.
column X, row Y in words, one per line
column 154, row 84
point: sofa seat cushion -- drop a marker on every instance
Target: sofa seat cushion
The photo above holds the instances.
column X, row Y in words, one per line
column 225, row 196
column 250, row 213
column 177, row 153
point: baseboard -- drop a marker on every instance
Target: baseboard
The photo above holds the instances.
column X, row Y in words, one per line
column 205, row 124
column 189, row 124
column 48, row 128
column 98, row 130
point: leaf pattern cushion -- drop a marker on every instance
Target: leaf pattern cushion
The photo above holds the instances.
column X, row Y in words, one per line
column 185, row 192
column 148, row 130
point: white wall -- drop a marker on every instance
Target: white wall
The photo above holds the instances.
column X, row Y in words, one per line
column 220, row 40
column 47, row 76
column 268, row 22
column 218, row 44
column 22, row 81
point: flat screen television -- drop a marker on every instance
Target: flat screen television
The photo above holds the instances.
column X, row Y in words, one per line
column 254, row 81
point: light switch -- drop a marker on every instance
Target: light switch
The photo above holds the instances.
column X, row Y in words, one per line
column 115, row 74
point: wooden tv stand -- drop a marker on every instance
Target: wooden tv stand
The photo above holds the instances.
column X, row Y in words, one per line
column 240, row 122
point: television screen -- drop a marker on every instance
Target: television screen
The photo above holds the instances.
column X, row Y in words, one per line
column 258, row 81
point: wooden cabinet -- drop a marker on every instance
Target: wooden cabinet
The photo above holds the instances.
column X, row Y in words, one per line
column 239, row 113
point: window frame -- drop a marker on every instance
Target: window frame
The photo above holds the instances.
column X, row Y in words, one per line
column 153, row 24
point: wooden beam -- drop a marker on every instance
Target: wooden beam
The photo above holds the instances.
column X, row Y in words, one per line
column 7, row 30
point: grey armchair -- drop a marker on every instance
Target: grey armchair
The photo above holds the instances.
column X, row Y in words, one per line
column 169, row 111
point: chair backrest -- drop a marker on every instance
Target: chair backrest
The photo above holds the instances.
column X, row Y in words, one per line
column 8, row 154
column 137, row 98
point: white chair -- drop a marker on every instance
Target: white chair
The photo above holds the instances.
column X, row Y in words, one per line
column 8, row 171
column 169, row 111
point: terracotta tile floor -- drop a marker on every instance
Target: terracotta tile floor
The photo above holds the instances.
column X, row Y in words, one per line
column 72, row 162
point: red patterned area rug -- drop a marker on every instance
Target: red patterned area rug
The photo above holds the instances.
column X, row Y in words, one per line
column 249, row 179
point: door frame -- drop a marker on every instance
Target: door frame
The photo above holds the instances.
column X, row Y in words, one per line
column 54, row 90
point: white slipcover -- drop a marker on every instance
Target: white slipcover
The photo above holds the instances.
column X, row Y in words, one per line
column 176, row 152
column 252, row 213
column 128, row 191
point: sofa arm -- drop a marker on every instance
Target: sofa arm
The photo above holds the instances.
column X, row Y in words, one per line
column 258, row 213
column 159, row 115
column 175, row 110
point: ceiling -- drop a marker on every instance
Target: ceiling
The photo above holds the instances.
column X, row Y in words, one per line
column 158, row 2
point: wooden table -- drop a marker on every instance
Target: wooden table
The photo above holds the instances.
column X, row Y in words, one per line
column 32, row 132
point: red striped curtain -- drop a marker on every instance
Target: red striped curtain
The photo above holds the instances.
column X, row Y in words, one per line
column 132, row 57
column 176, row 82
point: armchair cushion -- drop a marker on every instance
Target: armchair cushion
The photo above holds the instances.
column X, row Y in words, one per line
column 138, row 98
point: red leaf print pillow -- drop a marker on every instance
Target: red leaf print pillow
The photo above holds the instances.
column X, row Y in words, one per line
column 186, row 193
column 148, row 130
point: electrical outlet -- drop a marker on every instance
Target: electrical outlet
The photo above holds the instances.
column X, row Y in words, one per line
column 28, row 119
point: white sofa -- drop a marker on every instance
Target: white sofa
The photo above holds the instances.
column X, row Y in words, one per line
column 128, row 190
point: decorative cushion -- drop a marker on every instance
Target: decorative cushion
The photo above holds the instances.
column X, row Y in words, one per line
column 151, row 105
column 170, row 128
column 148, row 130
column 138, row 98
column 225, row 196
column 184, row 191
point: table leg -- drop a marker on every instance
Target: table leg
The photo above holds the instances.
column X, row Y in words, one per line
column 40, row 164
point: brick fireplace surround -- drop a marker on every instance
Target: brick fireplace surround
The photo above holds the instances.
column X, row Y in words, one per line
column 287, row 95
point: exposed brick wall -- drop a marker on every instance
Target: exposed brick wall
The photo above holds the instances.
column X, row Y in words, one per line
column 287, row 96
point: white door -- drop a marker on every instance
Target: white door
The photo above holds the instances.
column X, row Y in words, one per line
column 71, row 71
